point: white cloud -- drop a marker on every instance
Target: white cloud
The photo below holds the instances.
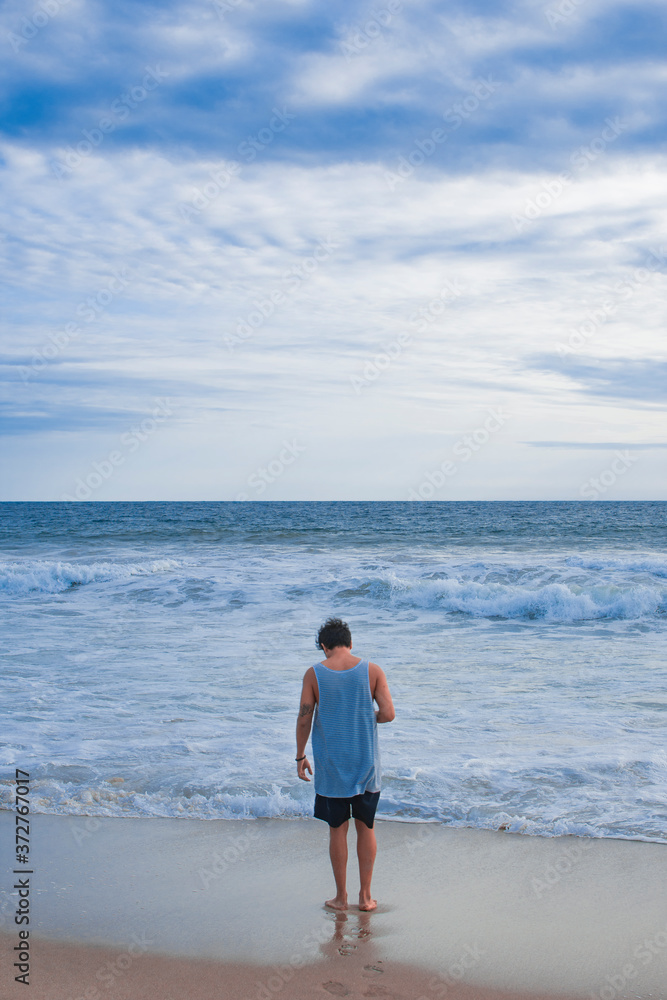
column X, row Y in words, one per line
column 194, row 281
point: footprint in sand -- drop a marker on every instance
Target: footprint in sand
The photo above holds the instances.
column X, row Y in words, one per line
column 337, row 989
column 374, row 968
column 381, row 991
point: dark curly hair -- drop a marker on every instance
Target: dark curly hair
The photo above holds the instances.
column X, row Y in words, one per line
column 333, row 633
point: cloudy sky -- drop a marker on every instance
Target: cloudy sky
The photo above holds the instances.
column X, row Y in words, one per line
column 279, row 249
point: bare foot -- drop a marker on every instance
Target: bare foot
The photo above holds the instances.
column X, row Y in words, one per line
column 336, row 903
column 367, row 904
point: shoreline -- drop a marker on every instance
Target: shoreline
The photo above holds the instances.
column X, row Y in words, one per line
column 87, row 819
column 459, row 910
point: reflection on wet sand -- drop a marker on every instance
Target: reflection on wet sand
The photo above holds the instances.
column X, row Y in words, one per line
column 349, row 925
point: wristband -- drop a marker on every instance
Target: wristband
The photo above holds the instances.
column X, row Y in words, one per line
column 297, row 759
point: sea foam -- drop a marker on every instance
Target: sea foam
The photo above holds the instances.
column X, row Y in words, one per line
column 42, row 576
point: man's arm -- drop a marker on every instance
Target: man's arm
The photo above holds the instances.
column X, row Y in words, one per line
column 304, row 722
column 382, row 696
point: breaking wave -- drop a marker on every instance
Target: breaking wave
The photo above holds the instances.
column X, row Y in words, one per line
column 42, row 576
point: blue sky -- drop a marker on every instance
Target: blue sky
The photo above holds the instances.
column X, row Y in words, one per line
column 277, row 250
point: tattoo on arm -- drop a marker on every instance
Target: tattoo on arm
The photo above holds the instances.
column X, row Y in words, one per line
column 306, row 709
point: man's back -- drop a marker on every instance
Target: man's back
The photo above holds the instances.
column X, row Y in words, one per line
column 345, row 744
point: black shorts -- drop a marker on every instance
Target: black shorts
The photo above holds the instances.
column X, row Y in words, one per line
column 336, row 811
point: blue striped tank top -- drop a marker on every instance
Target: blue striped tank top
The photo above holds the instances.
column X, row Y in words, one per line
column 345, row 740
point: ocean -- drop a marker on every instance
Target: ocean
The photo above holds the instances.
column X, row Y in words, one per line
column 152, row 657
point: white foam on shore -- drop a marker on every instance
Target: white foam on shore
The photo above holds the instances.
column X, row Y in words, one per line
column 113, row 800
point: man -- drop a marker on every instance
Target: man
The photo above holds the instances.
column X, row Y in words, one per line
column 345, row 751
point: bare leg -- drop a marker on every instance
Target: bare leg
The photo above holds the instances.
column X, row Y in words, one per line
column 338, row 855
column 366, row 850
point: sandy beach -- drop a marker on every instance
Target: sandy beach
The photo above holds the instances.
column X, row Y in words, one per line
column 130, row 908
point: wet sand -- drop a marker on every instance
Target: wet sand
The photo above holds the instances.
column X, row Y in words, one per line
column 148, row 908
